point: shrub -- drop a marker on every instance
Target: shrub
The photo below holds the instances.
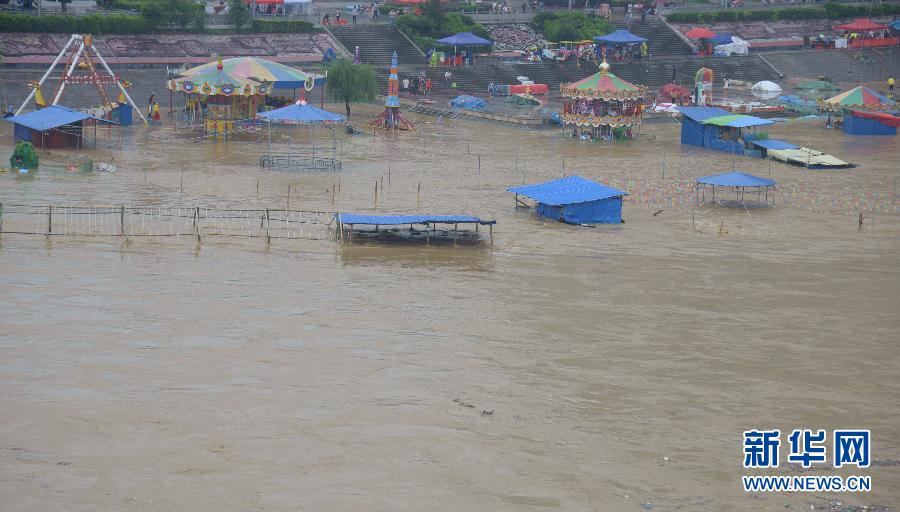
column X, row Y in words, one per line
column 90, row 24
column 570, row 25
column 831, row 10
column 284, row 27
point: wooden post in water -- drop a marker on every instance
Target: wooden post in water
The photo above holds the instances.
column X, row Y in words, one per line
column 197, row 222
column 418, row 193
column 268, row 238
column 1, row 218
column 122, row 220
column 333, row 185
column 376, row 194
column 257, row 188
column 49, row 220
column 182, row 183
column 289, row 198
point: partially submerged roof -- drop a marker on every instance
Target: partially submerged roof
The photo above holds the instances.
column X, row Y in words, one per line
column 737, row 121
column 773, row 144
column 396, row 220
column 568, row 190
column 736, row 179
column 51, row 117
column 702, row 113
column 301, row 113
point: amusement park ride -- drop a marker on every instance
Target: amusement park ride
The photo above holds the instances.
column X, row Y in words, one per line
column 81, row 54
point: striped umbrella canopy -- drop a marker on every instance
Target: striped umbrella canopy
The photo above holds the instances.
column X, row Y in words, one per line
column 217, row 82
column 860, row 97
column 256, row 69
column 603, row 85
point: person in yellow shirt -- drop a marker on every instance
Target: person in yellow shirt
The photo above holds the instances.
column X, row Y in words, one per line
column 891, row 83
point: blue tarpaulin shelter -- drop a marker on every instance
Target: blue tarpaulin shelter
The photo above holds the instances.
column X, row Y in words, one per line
column 468, row 102
column 463, row 39
column 620, row 37
column 574, row 200
column 722, row 38
column 54, row 126
column 301, row 113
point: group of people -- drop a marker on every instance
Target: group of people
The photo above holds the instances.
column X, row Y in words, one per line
column 356, row 11
column 504, row 7
column 418, row 84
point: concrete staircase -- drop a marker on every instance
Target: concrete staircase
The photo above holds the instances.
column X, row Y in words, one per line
column 663, row 41
column 376, row 44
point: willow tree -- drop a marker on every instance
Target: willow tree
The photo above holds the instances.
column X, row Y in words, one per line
column 351, row 83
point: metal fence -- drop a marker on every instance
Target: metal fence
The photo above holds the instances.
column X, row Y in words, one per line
column 128, row 221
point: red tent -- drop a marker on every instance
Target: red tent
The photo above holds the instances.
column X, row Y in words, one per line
column 861, row 25
column 673, row 93
column 700, row 33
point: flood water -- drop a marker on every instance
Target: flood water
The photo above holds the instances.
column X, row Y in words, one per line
column 621, row 363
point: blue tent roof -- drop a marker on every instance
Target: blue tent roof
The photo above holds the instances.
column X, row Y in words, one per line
column 568, row 190
column 301, row 113
column 394, row 220
column 895, row 25
column 52, row 117
column 463, row 39
column 701, row 113
column 736, row 179
column 737, row 121
column 620, row 37
column 723, row 38
column 773, row 144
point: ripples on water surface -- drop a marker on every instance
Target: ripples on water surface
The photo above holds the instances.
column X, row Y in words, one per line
column 306, row 375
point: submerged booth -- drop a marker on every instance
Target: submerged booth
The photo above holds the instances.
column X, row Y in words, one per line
column 54, row 127
column 716, row 128
column 738, row 182
column 573, row 200
column 870, row 123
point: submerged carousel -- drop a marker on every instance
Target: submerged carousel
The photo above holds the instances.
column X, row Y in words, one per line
column 603, row 105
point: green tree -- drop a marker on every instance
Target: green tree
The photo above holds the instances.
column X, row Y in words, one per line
column 351, row 83
column 238, row 14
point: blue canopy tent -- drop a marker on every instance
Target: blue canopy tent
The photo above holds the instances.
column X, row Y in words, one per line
column 347, row 221
column 574, row 200
column 54, row 126
column 739, row 182
column 463, row 39
column 301, row 113
column 620, row 37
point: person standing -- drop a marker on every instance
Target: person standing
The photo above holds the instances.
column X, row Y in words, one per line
column 355, row 13
column 890, row 83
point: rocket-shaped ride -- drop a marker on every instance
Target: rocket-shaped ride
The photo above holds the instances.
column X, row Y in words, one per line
column 392, row 118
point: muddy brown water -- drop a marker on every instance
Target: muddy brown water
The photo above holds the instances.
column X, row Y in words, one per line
column 622, row 363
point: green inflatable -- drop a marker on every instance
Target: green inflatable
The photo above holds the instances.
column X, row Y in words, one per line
column 24, row 156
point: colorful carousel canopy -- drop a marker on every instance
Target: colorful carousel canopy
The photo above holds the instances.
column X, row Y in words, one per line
column 258, row 70
column 861, row 24
column 218, row 83
column 860, row 97
column 603, row 85
column 301, row 113
column 700, row 33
